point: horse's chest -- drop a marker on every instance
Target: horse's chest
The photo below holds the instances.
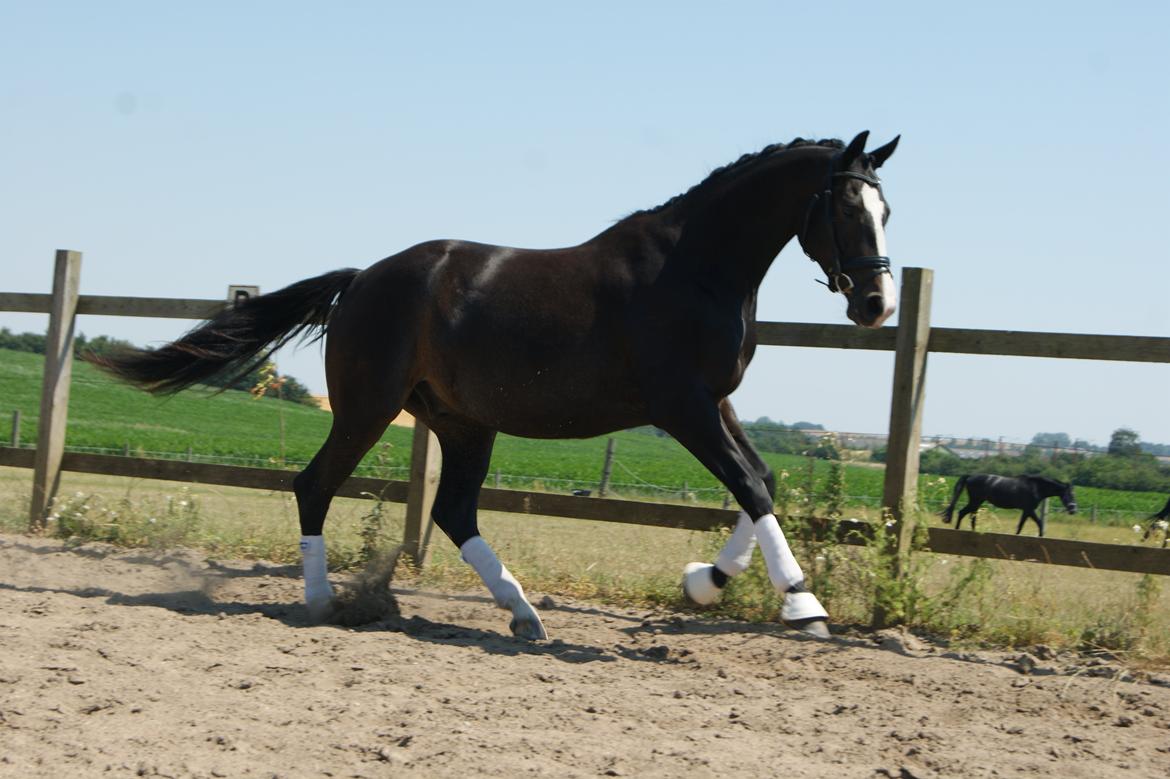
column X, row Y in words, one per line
column 728, row 349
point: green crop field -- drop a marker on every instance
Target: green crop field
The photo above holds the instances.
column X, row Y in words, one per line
column 233, row 427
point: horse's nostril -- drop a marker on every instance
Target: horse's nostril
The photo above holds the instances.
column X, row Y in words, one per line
column 875, row 305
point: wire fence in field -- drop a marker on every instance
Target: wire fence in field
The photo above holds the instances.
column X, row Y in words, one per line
column 632, row 485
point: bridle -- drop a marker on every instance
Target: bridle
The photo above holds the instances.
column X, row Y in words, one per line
column 839, row 275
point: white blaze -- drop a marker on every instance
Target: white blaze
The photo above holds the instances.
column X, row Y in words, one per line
column 872, row 200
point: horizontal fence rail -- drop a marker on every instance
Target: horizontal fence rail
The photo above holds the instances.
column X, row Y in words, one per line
column 962, row 543
column 953, row 340
column 116, row 305
column 1010, row 343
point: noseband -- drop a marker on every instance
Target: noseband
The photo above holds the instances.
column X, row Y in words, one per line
column 839, row 276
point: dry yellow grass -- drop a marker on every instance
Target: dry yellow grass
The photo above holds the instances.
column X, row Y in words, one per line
column 1009, row 603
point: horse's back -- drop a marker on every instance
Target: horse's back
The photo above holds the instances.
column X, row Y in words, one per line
column 521, row 340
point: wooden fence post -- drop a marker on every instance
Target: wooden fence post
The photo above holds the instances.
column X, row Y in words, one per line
column 607, row 467
column 425, row 460
column 900, row 491
column 16, row 429
column 55, row 386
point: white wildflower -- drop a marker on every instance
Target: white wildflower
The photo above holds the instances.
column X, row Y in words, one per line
column 183, row 503
column 152, row 520
column 1162, row 524
column 1137, row 528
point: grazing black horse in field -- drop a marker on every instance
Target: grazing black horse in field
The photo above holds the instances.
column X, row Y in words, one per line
column 1009, row 492
column 652, row 321
column 1160, row 520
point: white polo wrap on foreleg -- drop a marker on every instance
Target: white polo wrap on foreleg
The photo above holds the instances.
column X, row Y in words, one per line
column 499, row 580
column 736, row 555
column 783, row 569
column 318, row 593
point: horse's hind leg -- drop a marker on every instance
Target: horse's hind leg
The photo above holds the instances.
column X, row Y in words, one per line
column 703, row 583
column 971, row 508
column 467, row 451
column 349, row 440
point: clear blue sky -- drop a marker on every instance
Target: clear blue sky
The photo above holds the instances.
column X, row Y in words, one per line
column 185, row 147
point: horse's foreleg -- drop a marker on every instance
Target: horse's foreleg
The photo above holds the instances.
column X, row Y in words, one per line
column 1025, row 516
column 466, row 455
column 695, row 422
column 702, row 582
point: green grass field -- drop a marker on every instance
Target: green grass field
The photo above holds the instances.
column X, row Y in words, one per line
column 233, row 427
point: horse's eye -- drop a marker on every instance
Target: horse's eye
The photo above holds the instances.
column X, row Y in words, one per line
column 849, row 212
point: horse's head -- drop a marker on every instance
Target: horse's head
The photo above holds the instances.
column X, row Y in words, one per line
column 844, row 232
column 1067, row 498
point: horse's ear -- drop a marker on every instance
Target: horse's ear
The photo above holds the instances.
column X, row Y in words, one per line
column 881, row 154
column 855, row 149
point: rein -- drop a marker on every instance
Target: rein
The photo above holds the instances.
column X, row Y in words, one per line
column 839, row 278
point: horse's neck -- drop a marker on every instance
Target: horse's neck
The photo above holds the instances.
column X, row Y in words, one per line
column 731, row 235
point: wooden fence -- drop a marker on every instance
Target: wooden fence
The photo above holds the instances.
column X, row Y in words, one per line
column 911, row 341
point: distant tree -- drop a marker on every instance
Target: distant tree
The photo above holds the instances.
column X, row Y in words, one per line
column 298, row 393
column 1058, row 440
column 22, row 342
column 1124, row 443
column 100, row 346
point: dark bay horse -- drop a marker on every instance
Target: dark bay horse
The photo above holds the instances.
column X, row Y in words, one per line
column 1159, row 521
column 651, row 322
column 1009, row 492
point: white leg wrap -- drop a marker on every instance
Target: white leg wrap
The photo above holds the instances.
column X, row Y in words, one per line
column 733, row 559
column 697, row 584
column 318, row 593
column 736, row 555
column 505, row 590
column 783, row 569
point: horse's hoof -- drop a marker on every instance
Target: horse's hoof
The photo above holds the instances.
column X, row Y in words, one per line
column 817, row 628
column 526, row 622
column 319, row 602
column 320, row 611
column 802, row 611
column 697, row 585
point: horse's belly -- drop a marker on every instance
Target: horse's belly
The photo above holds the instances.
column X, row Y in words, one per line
column 561, row 398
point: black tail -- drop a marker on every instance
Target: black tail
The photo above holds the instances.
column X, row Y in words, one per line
column 949, row 511
column 235, row 341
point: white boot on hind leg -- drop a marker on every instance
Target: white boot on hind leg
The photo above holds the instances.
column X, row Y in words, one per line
column 505, row 590
column 318, row 593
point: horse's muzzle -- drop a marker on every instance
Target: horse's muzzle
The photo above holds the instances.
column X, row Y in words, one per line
column 873, row 303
